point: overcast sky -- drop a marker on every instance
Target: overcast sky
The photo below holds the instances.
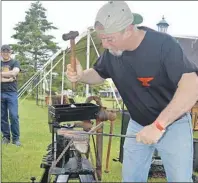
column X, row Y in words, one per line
column 78, row 15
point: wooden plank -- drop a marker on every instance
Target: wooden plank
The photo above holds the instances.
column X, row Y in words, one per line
column 99, row 151
column 194, row 112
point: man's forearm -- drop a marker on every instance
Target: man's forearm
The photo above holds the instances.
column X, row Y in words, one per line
column 12, row 73
column 90, row 76
column 7, row 74
column 4, row 80
column 184, row 99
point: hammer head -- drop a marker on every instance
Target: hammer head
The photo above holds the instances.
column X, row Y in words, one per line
column 70, row 35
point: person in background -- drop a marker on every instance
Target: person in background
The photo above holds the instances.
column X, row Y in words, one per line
column 9, row 97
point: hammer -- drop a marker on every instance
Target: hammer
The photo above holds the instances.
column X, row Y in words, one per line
column 71, row 36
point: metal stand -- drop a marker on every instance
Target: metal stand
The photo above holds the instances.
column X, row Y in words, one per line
column 72, row 163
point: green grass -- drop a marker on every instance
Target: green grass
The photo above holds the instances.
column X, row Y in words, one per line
column 20, row 163
column 24, row 161
column 196, row 134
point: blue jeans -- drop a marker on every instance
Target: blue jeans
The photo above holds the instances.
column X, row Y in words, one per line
column 9, row 103
column 175, row 149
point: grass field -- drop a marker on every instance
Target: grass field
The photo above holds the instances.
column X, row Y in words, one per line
column 21, row 163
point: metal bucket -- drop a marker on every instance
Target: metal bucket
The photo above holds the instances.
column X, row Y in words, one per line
column 195, row 156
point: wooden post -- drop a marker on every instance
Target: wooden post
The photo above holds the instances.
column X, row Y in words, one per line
column 194, row 112
column 99, row 151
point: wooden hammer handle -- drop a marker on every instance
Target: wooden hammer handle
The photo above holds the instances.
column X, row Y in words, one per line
column 73, row 60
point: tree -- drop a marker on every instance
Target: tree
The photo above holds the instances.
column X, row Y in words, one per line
column 34, row 46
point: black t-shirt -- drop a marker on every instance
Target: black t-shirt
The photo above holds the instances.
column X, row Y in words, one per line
column 7, row 66
column 147, row 77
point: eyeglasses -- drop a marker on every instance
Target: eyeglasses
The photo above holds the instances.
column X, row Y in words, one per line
column 109, row 39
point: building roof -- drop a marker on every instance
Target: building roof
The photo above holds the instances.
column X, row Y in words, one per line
column 189, row 45
column 185, row 36
column 163, row 22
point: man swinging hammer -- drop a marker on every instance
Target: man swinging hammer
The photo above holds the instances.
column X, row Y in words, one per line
column 158, row 84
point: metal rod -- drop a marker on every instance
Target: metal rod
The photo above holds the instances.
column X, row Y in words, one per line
column 37, row 73
column 41, row 80
column 63, row 74
column 105, row 134
column 22, row 90
column 88, row 58
column 58, row 159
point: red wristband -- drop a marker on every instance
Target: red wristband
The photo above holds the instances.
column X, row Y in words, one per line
column 159, row 127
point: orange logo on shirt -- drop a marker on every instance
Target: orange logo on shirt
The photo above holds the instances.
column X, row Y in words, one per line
column 145, row 81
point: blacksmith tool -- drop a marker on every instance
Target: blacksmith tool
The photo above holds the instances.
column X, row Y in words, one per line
column 71, row 36
column 77, row 134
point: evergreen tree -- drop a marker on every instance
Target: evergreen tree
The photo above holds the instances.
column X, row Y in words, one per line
column 34, row 46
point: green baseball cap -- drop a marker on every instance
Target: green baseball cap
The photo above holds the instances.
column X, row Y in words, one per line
column 115, row 16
